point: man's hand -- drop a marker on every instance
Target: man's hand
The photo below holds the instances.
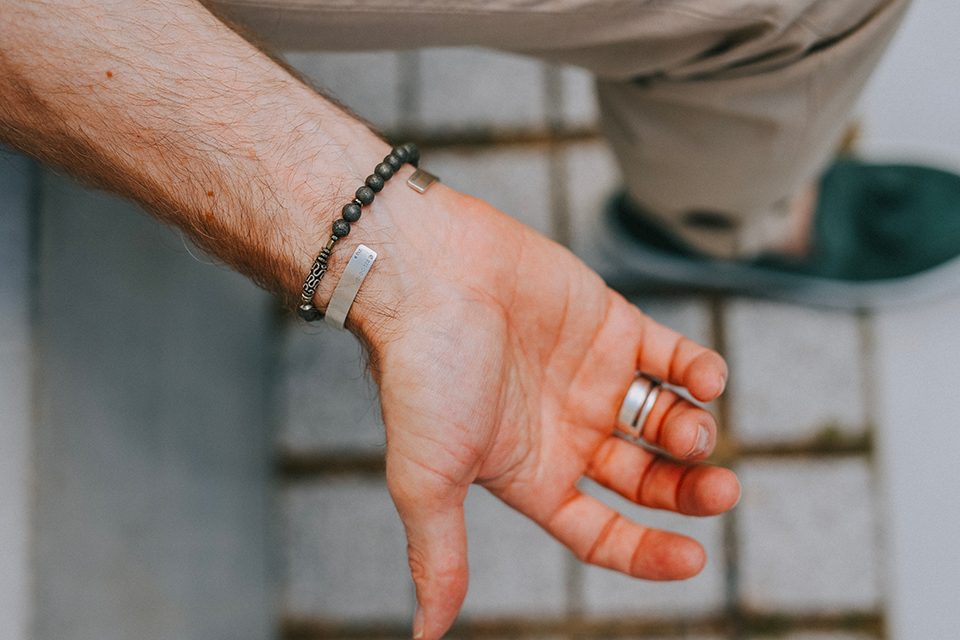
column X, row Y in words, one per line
column 501, row 358
column 506, row 367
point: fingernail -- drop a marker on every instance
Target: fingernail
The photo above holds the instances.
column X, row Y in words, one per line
column 723, row 383
column 418, row 623
column 703, row 439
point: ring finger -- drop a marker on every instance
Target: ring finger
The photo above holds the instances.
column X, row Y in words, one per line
column 684, row 430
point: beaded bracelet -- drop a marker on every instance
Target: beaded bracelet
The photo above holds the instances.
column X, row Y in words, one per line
column 400, row 154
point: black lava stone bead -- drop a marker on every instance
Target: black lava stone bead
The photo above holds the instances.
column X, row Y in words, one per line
column 384, row 170
column 375, row 182
column 394, row 162
column 341, row 228
column 413, row 153
column 351, row 212
column 401, row 152
column 365, row 195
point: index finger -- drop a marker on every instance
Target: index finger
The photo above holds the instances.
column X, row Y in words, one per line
column 672, row 357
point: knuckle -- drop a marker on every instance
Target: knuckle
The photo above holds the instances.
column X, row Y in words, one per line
column 418, row 565
column 445, row 574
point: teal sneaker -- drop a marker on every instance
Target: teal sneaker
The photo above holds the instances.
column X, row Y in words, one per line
column 883, row 235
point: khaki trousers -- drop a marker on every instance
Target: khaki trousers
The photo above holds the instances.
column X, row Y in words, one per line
column 719, row 111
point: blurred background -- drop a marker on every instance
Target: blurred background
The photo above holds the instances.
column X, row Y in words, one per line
column 172, row 465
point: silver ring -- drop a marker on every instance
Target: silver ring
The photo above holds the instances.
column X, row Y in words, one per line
column 638, row 404
column 647, row 409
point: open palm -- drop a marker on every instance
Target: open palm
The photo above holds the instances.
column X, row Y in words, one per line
column 509, row 373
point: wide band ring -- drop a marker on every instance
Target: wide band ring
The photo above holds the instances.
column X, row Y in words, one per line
column 638, row 404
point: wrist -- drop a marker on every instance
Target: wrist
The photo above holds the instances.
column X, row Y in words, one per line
column 435, row 250
column 383, row 225
column 393, row 277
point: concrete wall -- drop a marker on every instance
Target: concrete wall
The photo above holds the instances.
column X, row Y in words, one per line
column 152, row 446
column 17, row 179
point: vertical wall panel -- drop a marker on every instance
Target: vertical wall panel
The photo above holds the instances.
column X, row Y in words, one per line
column 16, row 177
column 153, row 444
column 910, row 113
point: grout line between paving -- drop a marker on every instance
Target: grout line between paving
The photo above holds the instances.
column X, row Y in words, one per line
column 731, row 557
column 561, row 228
column 754, row 625
column 490, row 137
column 867, row 360
column 298, row 466
column 870, row 392
column 274, row 408
column 553, row 97
column 574, row 587
column 409, row 90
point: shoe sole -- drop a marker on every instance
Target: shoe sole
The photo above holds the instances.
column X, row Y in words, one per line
column 631, row 268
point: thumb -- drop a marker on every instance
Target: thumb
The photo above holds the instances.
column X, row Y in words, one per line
column 432, row 513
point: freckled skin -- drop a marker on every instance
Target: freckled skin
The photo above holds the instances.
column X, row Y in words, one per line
column 209, row 194
column 109, row 74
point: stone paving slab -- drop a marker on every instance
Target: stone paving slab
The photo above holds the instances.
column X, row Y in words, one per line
column 516, row 568
column 590, row 177
column 375, row 98
column 515, row 180
column 328, row 401
column 466, row 88
column 579, row 107
column 689, row 316
column 345, row 532
column 796, row 374
column 808, row 536
column 344, row 552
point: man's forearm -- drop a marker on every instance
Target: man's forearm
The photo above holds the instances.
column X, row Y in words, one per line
column 160, row 101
